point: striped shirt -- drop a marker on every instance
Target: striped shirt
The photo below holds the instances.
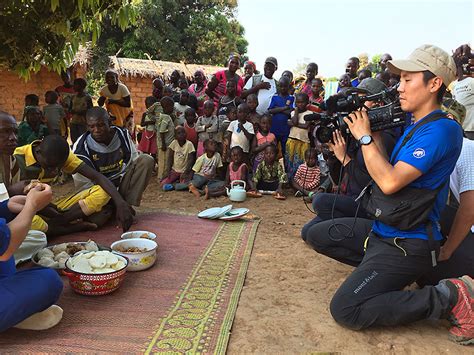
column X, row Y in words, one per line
column 308, row 178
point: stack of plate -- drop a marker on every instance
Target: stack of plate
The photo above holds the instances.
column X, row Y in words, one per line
column 225, row 213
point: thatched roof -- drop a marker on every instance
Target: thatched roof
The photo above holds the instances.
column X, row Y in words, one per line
column 157, row 68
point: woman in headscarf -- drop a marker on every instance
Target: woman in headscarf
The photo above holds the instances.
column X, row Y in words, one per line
column 198, row 89
column 116, row 97
column 216, row 87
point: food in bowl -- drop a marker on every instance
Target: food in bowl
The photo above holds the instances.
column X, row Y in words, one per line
column 55, row 257
column 96, row 273
column 137, row 260
column 130, row 250
column 96, row 262
column 139, row 234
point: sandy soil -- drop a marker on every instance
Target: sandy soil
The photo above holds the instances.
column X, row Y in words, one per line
column 283, row 307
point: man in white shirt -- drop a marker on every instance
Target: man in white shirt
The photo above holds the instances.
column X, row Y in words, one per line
column 456, row 256
column 264, row 85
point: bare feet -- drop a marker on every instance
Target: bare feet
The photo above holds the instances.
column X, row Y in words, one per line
column 42, row 320
column 206, row 193
column 194, row 190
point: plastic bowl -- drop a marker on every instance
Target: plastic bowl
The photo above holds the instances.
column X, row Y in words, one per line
column 138, row 234
column 95, row 284
column 137, row 261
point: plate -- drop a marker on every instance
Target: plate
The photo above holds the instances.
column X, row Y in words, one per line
column 223, row 211
column 235, row 213
column 210, row 212
column 214, row 212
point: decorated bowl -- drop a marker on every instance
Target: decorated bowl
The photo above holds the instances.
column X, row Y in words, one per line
column 143, row 258
column 138, row 234
column 95, row 284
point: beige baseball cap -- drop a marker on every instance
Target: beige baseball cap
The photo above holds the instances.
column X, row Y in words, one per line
column 427, row 57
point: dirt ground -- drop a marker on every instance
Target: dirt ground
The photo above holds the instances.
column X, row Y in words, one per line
column 284, row 305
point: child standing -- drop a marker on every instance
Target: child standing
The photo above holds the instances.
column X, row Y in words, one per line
column 237, row 170
column 308, row 176
column 254, row 117
column 80, row 103
column 181, row 106
column 205, row 170
column 165, row 134
column 54, row 114
column 280, row 107
column 207, row 126
column 228, row 100
column 317, row 92
column 30, row 100
column 240, row 132
column 190, row 126
column 270, row 175
column 181, row 157
column 263, row 139
column 298, row 140
column 148, row 144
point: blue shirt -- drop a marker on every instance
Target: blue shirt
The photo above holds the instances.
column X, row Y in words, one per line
column 434, row 150
column 280, row 120
column 6, row 267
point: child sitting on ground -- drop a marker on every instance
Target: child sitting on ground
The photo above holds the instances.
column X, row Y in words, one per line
column 308, row 175
column 263, row 139
column 190, row 126
column 205, row 171
column 298, row 140
column 148, row 142
column 181, row 106
column 240, row 132
column 181, row 157
column 54, row 114
column 165, row 130
column 207, row 126
column 270, row 175
column 237, row 170
column 254, row 117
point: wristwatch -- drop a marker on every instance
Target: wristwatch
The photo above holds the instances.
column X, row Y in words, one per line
column 365, row 140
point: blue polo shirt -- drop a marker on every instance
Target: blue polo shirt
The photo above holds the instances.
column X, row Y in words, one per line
column 434, row 150
column 280, row 120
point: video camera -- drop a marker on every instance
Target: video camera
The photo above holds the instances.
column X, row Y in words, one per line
column 388, row 116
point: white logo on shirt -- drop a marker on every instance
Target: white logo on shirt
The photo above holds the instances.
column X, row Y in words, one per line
column 419, row 153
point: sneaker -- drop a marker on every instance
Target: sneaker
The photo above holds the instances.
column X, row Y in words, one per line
column 462, row 313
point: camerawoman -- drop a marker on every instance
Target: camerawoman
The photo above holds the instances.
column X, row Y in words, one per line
column 408, row 191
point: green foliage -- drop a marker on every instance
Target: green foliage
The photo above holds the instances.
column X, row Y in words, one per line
column 49, row 32
column 193, row 31
column 374, row 61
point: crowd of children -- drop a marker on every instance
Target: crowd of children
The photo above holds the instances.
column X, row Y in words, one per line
column 205, row 135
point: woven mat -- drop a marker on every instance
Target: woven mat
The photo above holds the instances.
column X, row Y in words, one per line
column 185, row 303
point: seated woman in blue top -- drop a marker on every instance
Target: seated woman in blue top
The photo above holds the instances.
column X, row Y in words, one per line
column 27, row 297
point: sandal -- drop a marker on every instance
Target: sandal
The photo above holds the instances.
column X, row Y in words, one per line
column 254, row 194
column 279, row 196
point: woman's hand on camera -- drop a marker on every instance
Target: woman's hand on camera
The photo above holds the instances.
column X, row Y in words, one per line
column 339, row 145
column 359, row 124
